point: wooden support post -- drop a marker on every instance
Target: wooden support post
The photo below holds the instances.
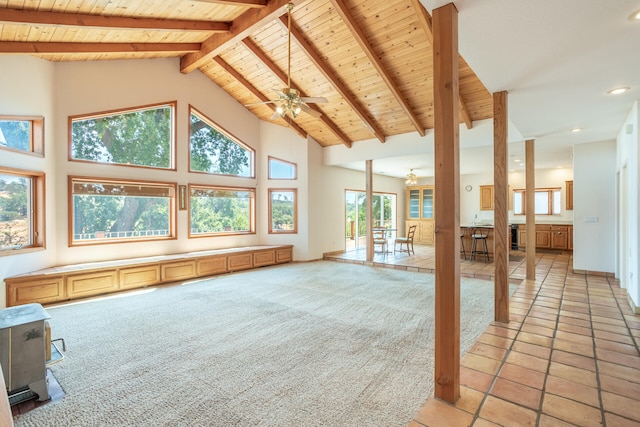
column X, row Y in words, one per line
column 530, row 216
column 501, row 207
column 369, row 207
column 447, row 202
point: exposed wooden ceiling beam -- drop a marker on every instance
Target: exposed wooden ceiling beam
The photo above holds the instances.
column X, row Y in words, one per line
column 245, row 3
column 427, row 25
column 253, row 48
column 241, row 27
column 375, row 60
column 229, row 69
column 322, row 66
column 73, row 47
column 85, row 20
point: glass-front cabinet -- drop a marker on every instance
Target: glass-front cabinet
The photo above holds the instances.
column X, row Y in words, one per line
column 420, row 212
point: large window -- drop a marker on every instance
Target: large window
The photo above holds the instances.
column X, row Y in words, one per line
column 141, row 136
column 283, row 211
column 21, row 210
column 107, row 211
column 221, row 210
column 547, row 201
column 214, row 151
column 22, row 133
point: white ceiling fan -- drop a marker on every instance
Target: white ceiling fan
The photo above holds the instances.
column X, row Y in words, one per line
column 289, row 101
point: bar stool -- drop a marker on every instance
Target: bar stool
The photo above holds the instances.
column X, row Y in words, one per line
column 462, row 250
column 479, row 235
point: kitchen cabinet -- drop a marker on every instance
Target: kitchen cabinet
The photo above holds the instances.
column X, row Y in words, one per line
column 420, row 212
column 569, row 195
column 560, row 237
column 486, row 197
column 548, row 236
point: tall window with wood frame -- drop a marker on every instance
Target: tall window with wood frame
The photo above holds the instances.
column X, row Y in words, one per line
column 283, row 215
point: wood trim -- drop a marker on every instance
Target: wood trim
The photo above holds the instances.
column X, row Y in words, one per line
column 79, row 47
column 246, row 3
column 331, row 76
column 500, row 212
column 369, row 207
column 101, row 21
column 375, row 60
column 447, row 202
column 241, row 27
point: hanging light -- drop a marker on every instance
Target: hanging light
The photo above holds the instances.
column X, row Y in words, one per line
column 412, row 179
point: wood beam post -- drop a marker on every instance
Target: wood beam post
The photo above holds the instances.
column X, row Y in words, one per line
column 501, row 207
column 530, row 216
column 447, row 202
column 369, row 207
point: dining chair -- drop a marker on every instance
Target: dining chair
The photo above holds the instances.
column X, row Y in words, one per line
column 380, row 239
column 406, row 243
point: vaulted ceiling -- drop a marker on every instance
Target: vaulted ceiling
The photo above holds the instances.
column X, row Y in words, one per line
column 372, row 60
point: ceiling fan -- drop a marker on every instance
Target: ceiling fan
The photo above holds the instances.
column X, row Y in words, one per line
column 289, row 101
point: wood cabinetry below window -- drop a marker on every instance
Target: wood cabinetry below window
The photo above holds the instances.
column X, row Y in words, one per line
column 486, row 197
column 548, row 236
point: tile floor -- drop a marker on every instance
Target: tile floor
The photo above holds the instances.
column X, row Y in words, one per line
column 568, row 357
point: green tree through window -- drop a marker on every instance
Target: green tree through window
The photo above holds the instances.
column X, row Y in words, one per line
column 212, row 151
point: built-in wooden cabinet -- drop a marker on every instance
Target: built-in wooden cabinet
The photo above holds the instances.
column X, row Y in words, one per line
column 569, row 195
column 421, row 213
column 486, row 197
column 83, row 280
column 548, row 236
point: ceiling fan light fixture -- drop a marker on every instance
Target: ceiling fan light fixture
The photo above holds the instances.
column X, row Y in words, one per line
column 412, row 179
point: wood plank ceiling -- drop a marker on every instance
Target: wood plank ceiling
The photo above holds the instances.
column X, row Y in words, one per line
column 372, row 59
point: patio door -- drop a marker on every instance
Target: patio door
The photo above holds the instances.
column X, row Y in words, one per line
column 384, row 215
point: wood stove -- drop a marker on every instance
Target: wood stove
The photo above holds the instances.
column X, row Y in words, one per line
column 25, row 342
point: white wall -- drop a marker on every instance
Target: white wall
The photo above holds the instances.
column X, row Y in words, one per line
column 628, row 165
column 26, row 88
column 594, row 201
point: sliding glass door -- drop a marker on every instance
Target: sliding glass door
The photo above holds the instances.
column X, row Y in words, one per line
column 384, row 215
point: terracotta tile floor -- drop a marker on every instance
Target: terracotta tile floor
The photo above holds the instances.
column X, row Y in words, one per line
column 568, row 357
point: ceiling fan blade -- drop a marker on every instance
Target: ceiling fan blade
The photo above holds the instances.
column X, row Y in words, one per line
column 310, row 111
column 260, row 103
column 314, row 99
column 275, row 115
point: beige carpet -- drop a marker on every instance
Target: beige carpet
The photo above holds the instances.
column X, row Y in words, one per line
column 305, row 344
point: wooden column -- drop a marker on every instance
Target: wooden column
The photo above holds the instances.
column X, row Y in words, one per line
column 447, row 202
column 530, row 217
column 369, row 207
column 501, row 208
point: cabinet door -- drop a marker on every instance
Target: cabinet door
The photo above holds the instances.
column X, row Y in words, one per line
column 559, row 237
column 413, row 200
column 543, row 239
column 570, row 239
column 427, row 203
column 569, row 195
column 486, row 197
column 522, row 238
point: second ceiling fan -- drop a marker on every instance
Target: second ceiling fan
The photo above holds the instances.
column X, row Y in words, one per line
column 289, row 101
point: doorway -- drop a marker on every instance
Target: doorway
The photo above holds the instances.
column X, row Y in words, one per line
column 384, row 215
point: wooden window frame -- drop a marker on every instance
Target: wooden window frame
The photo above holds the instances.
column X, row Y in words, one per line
column 36, row 125
column 294, row 191
column 252, row 210
column 172, row 142
column 549, row 192
column 229, row 135
column 293, row 165
column 37, row 212
column 169, row 186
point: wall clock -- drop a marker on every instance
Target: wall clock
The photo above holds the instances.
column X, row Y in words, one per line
column 468, row 188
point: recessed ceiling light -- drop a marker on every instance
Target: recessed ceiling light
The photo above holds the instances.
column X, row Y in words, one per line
column 576, row 130
column 635, row 16
column 517, row 160
column 618, row 90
